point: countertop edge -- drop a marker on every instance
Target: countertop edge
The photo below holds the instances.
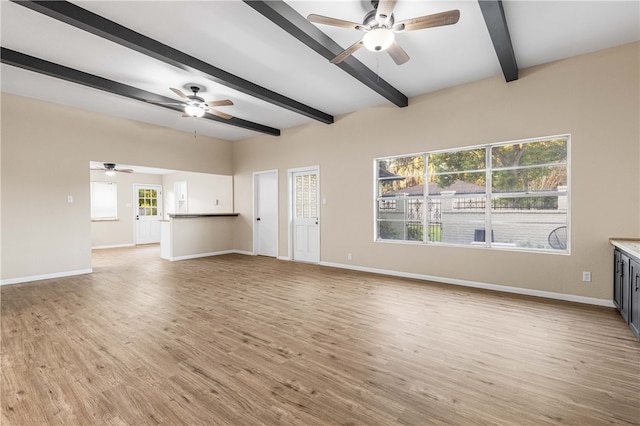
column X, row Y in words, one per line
column 196, row 215
column 628, row 245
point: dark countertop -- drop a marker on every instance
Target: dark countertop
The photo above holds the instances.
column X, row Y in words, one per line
column 196, row 215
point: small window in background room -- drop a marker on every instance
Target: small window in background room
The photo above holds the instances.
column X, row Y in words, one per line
column 104, row 201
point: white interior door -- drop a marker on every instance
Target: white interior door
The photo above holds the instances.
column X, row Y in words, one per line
column 265, row 230
column 148, row 213
column 306, row 216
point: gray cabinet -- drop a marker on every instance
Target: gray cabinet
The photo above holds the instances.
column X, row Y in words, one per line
column 626, row 288
column 617, row 278
column 634, row 299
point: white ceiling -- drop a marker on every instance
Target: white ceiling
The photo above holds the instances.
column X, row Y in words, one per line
column 234, row 37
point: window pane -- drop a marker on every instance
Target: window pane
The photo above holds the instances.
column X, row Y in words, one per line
column 400, row 230
column 461, row 220
column 530, row 179
column 532, row 153
column 401, row 219
column 104, row 200
column 455, row 161
column 403, row 187
column 523, row 227
column 386, row 208
column 402, row 166
column 459, row 183
column 434, row 220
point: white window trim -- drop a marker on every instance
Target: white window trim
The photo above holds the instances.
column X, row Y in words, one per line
column 489, row 195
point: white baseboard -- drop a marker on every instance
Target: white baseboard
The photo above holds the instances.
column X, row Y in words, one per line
column 283, row 258
column 113, row 246
column 45, row 276
column 199, row 255
column 246, row 253
column 475, row 284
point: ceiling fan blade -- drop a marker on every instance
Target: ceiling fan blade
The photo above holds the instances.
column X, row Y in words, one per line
column 319, row 19
column 179, row 93
column 185, row 115
column 97, row 168
column 166, row 103
column 384, row 10
column 429, row 21
column 224, row 102
column 397, row 53
column 219, row 114
column 347, row 52
column 123, row 170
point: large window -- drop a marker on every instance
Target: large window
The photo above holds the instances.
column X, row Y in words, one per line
column 509, row 195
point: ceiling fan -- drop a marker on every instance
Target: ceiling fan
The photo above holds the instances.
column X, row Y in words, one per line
column 110, row 169
column 195, row 106
column 380, row 28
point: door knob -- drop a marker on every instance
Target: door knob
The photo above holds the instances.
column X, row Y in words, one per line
column 258, row 219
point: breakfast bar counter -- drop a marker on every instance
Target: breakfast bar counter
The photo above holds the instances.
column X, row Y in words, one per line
column 192, row 235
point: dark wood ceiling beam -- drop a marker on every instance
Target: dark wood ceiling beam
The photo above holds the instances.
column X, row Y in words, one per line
column 297, row 25
column 21, row 60
column 497, row 25
column 102, row 27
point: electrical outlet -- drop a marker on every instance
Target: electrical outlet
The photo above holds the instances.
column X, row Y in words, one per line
column 586, row 276
column 69, row 198
column 349, row 256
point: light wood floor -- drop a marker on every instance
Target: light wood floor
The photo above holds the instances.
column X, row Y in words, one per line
column 248, row 340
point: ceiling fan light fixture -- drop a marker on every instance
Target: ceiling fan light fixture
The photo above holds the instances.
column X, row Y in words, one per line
column 378, row 39
column 194, row 111
column 110, row 173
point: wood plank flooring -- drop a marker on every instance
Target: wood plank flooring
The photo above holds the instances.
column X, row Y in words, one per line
column 243, row 340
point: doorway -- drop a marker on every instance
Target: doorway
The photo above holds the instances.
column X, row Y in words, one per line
column 305, row 214
column 148, row 200
column 265, row 229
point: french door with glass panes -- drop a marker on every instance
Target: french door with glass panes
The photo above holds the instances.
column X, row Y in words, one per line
column 306, row 211
column 148, row 213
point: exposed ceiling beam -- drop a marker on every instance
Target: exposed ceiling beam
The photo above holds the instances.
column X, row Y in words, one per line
column 102, row 27
column 497, row 25
column 21, row 60
column 297, row 25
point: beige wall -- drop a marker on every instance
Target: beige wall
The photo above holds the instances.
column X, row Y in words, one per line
column 206, row 193
column 195, row 237
column 594, row 97
column 119, row 232
column 45, row 157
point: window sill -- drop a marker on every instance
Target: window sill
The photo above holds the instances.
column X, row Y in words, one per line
column 479, row 245
column 105, row 220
